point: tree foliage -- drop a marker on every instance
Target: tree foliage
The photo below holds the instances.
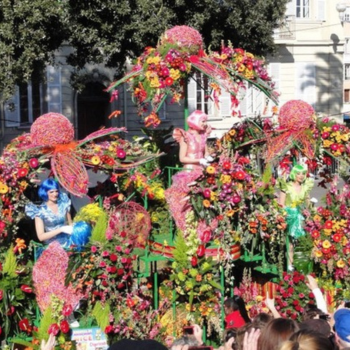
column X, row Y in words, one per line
column 107, row 32
column 30, row 32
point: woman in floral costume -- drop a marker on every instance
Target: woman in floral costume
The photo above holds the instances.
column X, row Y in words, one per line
column 53, row 215
column 194, row 156
column 294, row 194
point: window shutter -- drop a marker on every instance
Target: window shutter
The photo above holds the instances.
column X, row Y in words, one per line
column 54, row 89
column 225, row 104
column 192, row 95
column 243, row 100
column 305, row 82
column 13, row 110
column 321, row 9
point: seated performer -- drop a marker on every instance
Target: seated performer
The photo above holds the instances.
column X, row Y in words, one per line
column 295, row 193
column 194, row 156
column 53, row 221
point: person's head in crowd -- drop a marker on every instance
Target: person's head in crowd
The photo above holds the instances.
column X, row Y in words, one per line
column 236, row 303
column 261, row 320
column 276, row 332
column 342, row 327
column 185, row 340
column 129, row 344
column 231, row 333
column 311, row 311
column 240, row 335
column 316, row 325
column 307, row 340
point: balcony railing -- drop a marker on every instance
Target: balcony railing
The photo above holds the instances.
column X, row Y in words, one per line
column 286, row 29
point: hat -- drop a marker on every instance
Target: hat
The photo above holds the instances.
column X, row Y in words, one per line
column 316, row 325
column 342, row 324
column 129, row 344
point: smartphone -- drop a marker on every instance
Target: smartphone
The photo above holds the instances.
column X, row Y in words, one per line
column 204, row 347
column 188, row 330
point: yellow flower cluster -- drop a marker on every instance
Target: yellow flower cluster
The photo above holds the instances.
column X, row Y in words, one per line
column 89, row 213
column 175, row 74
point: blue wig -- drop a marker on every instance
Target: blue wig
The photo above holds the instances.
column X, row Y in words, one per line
column 80, row 235
column 46, row 186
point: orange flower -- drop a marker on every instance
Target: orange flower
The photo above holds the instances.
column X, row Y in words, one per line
column 206, row 203
column 232, row 132
column 210, row 170
column 3, row 188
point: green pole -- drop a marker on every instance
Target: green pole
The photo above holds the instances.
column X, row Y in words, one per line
column 222, row 282
column 155, row 281
column 186, row 105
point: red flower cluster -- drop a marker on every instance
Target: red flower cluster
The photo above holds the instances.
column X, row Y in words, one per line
column 292, row 295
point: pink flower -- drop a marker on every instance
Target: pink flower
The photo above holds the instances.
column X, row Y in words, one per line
column 54, row 329
column 121, row 154
column 105, row 254
column 109, row 329
column 118, row 248
column 67, row 310
column 102, row 264
column 33, row 163
column 113, row 257
column 93, row 249
column 64, row 326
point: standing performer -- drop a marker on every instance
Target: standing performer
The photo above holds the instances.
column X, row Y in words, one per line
column 194, row 156
column 294, row 194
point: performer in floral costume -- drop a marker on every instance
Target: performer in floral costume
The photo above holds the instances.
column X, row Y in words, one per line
column 53, row 222
column 194, row 156
column 294, row 194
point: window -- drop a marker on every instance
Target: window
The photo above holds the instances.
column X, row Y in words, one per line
column 25, row 106
column 347, row 71
column 347, row 95
column 302, row 9
column 31, row 99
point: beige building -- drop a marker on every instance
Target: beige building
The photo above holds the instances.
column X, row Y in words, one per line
column 310, row 64
column 310, row 57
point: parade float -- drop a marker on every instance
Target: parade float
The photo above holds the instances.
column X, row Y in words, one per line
column 139, row 276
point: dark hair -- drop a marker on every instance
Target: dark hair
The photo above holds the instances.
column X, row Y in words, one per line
column 261, row 320
column 307, row 340
column 237, row 303
column 276, row 332
column 311, row 311
column 46, row 186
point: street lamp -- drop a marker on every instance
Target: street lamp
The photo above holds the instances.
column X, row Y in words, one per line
column 341, row 9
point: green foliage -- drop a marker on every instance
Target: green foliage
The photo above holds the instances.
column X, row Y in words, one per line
column 30, row 32
column 180, row 251
column 10, row 264
column 45, row 323
column 99, row 230
column 101, row 314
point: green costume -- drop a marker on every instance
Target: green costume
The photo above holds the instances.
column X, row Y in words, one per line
column 293, row 203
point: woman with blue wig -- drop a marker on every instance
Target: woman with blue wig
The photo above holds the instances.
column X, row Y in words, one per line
column 53, row 221
column 294, row 194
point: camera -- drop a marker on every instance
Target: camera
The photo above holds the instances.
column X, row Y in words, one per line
column 188, row 330
column 230, row 333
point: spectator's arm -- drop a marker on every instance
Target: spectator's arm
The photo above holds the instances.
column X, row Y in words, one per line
column 320, row 301
column 270, row 304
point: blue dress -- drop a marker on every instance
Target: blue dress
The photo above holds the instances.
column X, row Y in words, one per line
column 51, row 220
